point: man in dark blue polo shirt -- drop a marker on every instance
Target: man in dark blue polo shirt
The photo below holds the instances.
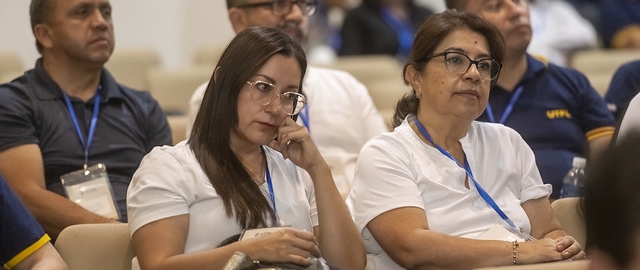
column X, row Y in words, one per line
column 68, row 113
column 624, row 85
column 555, row 109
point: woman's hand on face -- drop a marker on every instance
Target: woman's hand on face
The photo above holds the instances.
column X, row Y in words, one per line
column 286, row 246
column 294, row 142
column 570, row 248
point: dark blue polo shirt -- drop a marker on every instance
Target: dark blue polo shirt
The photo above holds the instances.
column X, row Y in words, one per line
column 615, row 15
column 20, row 233
column 130, row 123
column 625, row 84
column 556, row 114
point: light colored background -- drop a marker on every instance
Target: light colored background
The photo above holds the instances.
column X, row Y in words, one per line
column 174, row 28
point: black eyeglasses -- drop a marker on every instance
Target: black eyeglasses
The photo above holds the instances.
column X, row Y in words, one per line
column 283, row 7
column 459, row 63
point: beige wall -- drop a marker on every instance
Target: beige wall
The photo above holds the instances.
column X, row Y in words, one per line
column 174, row 28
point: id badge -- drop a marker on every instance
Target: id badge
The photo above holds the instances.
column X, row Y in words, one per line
column 91, row 189
column 253, row 233
column 502, row 231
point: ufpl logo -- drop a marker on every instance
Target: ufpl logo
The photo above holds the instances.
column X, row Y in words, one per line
column 560, row 113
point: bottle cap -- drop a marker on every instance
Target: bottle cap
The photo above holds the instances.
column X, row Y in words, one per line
column 579, row 162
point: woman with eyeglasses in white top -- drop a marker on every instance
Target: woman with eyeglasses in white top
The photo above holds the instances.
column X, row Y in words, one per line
column 443, row 191
column 247, row 165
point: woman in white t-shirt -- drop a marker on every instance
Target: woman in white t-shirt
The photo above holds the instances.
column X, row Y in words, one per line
column 247, row 165
column 426, row 194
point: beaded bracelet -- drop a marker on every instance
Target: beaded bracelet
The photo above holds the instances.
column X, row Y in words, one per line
column 515, row 251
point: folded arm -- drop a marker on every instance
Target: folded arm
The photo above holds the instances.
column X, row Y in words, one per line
column 157, row 250
column 45, row 258
column 405, row 235
column 545, row 225
column 23, row 168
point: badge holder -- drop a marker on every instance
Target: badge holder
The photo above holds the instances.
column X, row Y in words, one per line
column 253, row 233
column 257, row 232
column 503, row 231
column 91, row 189
column 517, row 232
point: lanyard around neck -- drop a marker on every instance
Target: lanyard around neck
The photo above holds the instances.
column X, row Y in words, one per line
column 92, row 127
column 272, row 196
column 487, row 198
column 403, row 29
column 304, row 117
column 508, row 110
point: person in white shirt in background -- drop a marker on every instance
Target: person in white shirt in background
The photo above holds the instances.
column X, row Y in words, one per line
column 559, row 31
column 340, row 113
column 630, row 122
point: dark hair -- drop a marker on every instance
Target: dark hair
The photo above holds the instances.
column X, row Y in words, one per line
column 39, row 12
column 376, row 4
column 457, row 4
column 234, row 3
column 218, row 115
column 429, row 36
column 611, row 201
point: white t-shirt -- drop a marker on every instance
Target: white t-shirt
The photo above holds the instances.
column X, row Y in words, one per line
column 342, row 118
column 631, row 120
column 558, row 31
column 170, row 182
column 399, row 170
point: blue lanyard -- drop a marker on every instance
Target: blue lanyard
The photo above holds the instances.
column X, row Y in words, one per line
column 92, row 127
column 487, row 198
column 272, row 196
column 403, row 30
column 304, row 117
column 507, row 111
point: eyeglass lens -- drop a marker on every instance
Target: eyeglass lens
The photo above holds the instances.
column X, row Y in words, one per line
column 283, row 7
column 264, row 93
column 459, row 64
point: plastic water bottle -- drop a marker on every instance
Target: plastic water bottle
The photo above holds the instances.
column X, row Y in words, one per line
column 574, row 179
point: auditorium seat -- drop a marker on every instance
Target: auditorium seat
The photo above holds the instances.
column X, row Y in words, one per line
column 173, row 87
column 10, row 66
column 600, row 64
column 129, row 66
